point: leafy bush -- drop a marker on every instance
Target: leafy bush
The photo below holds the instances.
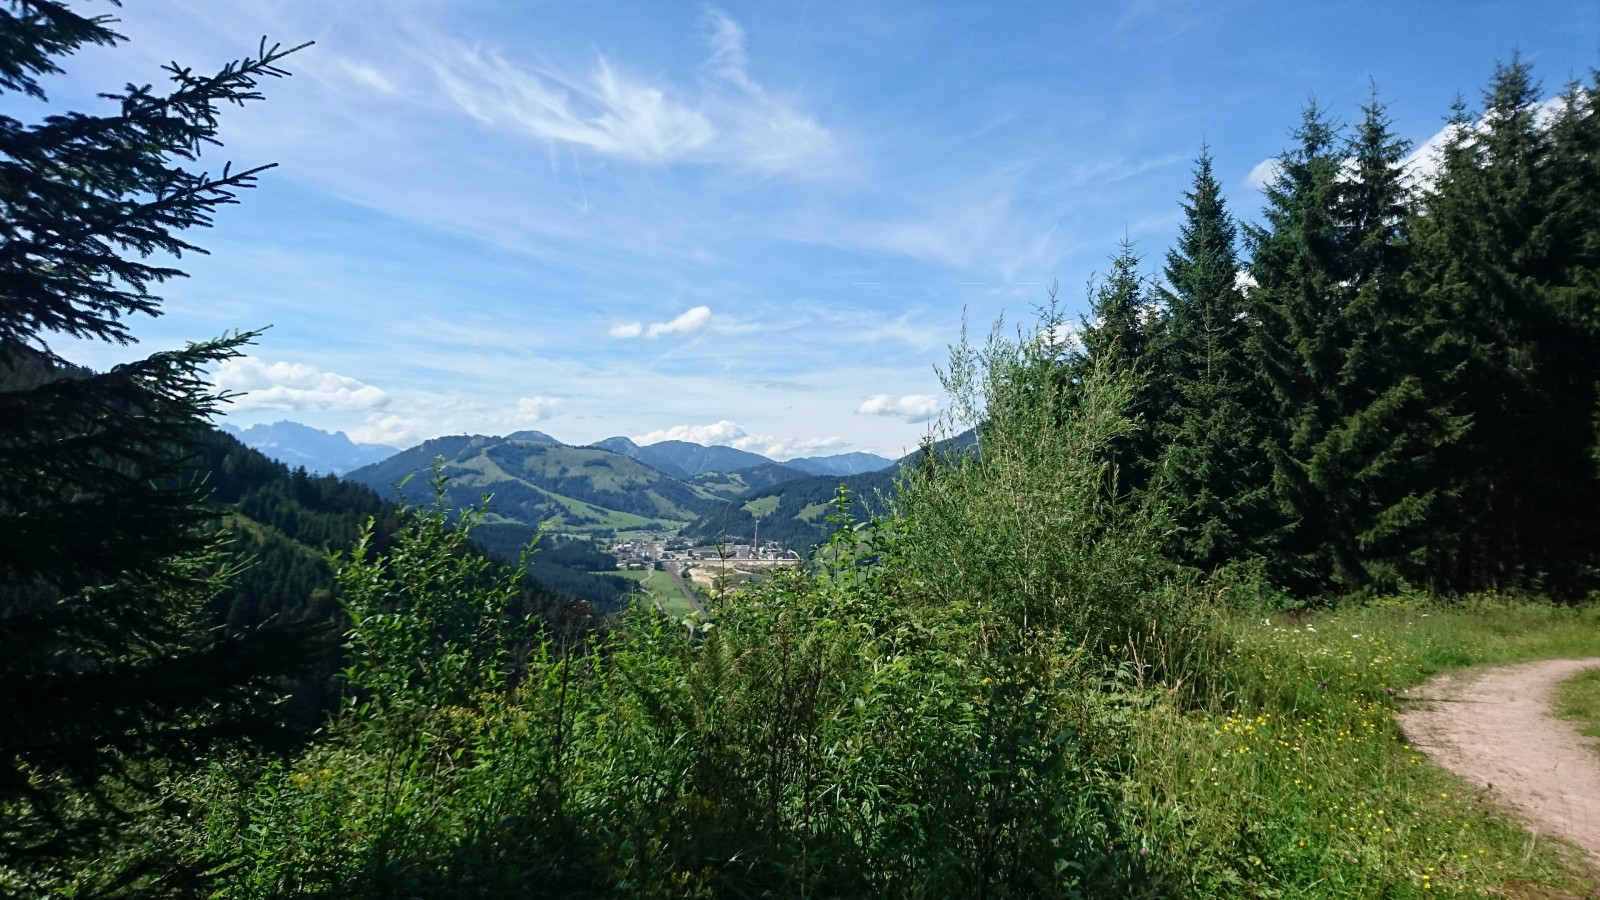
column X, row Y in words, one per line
column 1028, row 522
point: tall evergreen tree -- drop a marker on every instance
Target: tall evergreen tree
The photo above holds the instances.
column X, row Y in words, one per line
column 1294, row 349
column 1503, row 258
column 1355, row 364
column 1575, row 220
column 1117, row 336
column 1218, row 479
column 1390, row 420
column 107, row 659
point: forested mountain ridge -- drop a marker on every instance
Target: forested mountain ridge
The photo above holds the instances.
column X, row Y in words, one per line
column 283, row 523
column 794, row 512
column 726, row 486
column 684, row 459
column 840, row 464
column 538, row 481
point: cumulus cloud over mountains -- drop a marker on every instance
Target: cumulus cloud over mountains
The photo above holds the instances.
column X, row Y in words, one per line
column 731, row 434
column 911, row 407
column 282, row 385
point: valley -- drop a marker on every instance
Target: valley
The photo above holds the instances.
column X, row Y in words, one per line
column 602, row 492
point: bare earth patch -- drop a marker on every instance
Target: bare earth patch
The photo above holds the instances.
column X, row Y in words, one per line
column 1494, row 727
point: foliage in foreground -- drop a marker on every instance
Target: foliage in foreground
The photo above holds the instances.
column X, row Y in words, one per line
column 843, row 732
column 109, row 666
column 815, row 740
column 859, row 730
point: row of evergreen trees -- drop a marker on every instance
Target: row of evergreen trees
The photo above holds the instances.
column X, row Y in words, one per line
column 1391, row 380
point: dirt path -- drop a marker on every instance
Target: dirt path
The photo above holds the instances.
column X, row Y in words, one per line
column 1494, row 727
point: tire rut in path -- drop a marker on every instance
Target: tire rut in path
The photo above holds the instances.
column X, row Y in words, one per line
column 1495, row 728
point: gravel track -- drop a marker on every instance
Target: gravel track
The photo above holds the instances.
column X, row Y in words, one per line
column 1494, row 727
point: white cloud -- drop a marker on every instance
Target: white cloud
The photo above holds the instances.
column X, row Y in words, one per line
column 690, row 320
column 605, row 111
column 1061, row 336
column 414, row 416
column 293, row 386
column 367, row 76
column 1264, row 173
column 1424, row 162
column 536, row 409
column 732, row 434
column 911, row 407
column 728, row 58
column 686, row 322
column 770, row 134
column 615, row 113
column 724, row 433
column 804, row 447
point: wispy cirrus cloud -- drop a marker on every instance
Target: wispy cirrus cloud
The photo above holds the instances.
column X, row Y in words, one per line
column 606, row 109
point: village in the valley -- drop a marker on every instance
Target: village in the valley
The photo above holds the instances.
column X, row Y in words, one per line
column 704, row 571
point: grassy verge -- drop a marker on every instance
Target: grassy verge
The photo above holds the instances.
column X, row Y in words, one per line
column 1294, row 779
column 1578, row 700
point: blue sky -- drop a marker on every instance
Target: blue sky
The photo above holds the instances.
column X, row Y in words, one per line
column 757, row 224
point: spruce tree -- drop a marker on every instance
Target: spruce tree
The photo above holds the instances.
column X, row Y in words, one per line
column 1356, row 364
column 1294, row 351
column 1117, row 337
column 108, row 660
column 1389, row 417
column 1216, row 474
column 1506, row 259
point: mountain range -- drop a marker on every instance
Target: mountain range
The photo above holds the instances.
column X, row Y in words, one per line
column 303, row 447
column 534, row 480
column 334, row 453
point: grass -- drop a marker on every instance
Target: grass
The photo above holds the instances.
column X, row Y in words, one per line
column 762, row 507
column 660, row 584
column 1578, row 700
column 813, row 512
column 1293, row 778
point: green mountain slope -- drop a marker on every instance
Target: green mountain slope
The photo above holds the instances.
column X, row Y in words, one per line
column 285, row 523
column 794, row 511
column 732, row 484
column 572, row 489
